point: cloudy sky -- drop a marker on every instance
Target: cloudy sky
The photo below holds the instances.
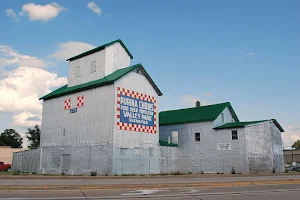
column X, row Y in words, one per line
column 244, row 52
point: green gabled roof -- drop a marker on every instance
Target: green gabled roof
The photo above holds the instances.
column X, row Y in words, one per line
column 190, row 115
column 100, row 82
column 166, row 144
column 99, row 49
column 243, row 124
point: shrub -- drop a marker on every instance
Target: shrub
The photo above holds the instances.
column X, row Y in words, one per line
column 218, row 172
column 286, row 170
column 17, row 172
column 274, row 170
column 62, row 173
column 232, row 171
column 202, row 172
column 93, row 173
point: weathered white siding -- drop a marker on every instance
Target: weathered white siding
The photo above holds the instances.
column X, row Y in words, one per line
column 168, row 160
column 116, row 58
column 228, row 117
column 260, row 141
column 91, row 124
column 136, row 159
column 26, row 161
column 85, row 74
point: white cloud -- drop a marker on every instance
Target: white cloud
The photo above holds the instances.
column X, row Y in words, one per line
column 22, row 88
column 24, row 119
column 251, row 54
column 69, row 49
column 94, row 7
column 9, row 57
column 11, row 13
column 40, row 12
column 290, row 135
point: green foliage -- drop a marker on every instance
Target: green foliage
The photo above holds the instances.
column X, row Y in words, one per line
column 34, row 136
column 232, row 171
column 296, row 144
column 93, row 173
column 11, row 138
column 202, row 172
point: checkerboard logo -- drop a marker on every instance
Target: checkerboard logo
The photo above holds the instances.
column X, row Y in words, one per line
column 67, row 104
column 80, row 101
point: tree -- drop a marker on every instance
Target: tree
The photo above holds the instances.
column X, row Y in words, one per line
column 33, row 136
column 296, row 144
column 11, row 138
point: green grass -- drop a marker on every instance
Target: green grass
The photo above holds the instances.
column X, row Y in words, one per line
column 3, row 173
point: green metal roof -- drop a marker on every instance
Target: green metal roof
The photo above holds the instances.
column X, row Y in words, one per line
column 100, row 82
column 243, row 124
column 190, row 115
column 166, row 144
column 99, row 49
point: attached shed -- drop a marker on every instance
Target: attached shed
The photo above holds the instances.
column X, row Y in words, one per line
column 211, row 139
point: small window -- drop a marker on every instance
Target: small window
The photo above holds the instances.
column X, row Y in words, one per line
column 64, row 132
column 122, row 151
column 222, row 117
column 150, row 151
column 175, row 137
column 93, row 67
column 77, row 72
column 197, row 137
column 234, row 134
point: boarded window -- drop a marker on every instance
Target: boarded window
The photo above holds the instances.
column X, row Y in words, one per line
column 77, row 71
column 197, row 137
column 122, row 151
column 234, row 134
column 93, row 67
column 150, row 151
column 175, row 137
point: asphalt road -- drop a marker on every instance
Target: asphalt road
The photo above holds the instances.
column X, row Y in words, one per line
column 138, row 180
column 263, row 192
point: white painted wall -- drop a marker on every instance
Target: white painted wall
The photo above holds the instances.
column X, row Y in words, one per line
column 136, row 159
column 204, row 155
column 108, row 60
column 116, row 58
column 85, row 67
column 92, row 124
column 132, row 139
column 228, row 117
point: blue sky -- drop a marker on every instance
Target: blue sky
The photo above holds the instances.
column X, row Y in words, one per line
column 244, row 52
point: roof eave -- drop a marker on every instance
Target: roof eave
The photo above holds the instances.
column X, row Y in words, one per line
column 99, row 48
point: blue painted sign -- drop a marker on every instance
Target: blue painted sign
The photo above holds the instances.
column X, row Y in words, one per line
column 73, row 110
column 136, row 111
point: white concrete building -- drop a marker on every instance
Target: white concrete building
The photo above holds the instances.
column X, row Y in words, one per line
column 211, row 139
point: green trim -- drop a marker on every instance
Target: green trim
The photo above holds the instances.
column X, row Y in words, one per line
column 192, row 115
column 100, row 82
column 166, row 144
column 99, row 49
column 243, row 124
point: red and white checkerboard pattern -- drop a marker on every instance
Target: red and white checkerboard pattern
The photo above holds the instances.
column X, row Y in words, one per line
column 80, row 101
column 135, row 127
column 67, row 104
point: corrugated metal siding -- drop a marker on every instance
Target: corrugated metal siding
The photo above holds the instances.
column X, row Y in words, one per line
column 26, row 161
column 116, row 58
column 85, row 66
column 204, row 156
column 132, row 139
column 92, row 124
